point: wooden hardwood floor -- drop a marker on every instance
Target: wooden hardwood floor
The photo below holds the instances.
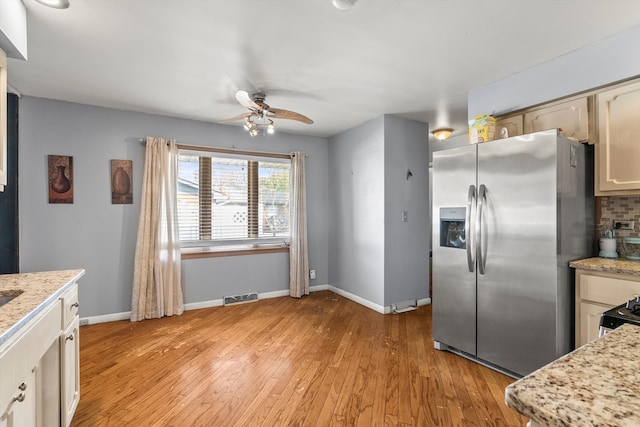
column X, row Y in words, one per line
column 322, row 360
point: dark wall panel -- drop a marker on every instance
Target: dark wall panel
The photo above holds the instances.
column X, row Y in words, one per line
column 9, row 257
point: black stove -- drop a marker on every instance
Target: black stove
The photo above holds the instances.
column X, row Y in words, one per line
column 628, row 312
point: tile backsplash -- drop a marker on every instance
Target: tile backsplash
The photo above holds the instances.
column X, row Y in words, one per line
column 625, row 208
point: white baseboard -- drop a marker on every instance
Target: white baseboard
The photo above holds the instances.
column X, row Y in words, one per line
column 105, row 318
column 274, row 294
column 265, row 295
column 204, row 304
column 369, row 304
column 424, row 301
column 360, row 300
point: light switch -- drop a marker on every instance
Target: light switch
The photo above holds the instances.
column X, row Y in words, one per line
column 404, row 216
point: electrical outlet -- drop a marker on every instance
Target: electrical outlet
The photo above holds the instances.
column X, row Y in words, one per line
column 84, row 322
column 623, row 225
column 312, row 274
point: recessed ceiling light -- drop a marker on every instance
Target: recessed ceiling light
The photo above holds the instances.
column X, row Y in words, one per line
column 56, row 4
column 344, row 4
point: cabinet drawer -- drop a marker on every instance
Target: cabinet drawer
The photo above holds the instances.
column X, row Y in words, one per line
column 607, row 290
column 69, row 305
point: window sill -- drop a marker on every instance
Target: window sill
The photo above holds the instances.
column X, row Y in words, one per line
column 222, row 251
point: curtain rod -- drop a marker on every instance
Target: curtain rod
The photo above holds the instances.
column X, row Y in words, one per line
column 229, row 150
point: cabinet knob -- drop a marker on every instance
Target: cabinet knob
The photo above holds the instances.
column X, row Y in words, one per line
column 75, row 304
column 19, row 398
column 22, row 386
column 69, row 338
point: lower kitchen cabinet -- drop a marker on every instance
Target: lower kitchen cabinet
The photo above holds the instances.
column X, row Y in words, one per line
column 597, row 292
column 39, row 367
column 590, row 321
column 22, row 409
column 20, row 369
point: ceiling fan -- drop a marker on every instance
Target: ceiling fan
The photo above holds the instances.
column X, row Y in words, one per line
column 260, row 114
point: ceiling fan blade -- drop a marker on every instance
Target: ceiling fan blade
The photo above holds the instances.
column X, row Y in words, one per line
column 238, row 117
column 244, row 99
column 291, row 115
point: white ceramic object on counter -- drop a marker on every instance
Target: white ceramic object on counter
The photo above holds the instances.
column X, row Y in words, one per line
column 608, row 247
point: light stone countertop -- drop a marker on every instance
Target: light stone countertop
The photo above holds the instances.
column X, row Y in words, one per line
column 39, row 289
column 611, row 265
column 596, row 385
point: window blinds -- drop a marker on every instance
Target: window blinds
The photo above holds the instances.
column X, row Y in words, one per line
column 228, row 198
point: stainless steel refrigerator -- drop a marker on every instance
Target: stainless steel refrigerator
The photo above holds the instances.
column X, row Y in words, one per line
column 508, row 216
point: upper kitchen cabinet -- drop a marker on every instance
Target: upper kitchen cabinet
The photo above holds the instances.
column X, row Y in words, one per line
column 571, row 116
column 509, row 126
column 618, row 153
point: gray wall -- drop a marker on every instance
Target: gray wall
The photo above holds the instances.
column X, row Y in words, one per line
column 100, row 237
column 356, row 218
column 598, row 64
column 374, row 255
column 406, row 244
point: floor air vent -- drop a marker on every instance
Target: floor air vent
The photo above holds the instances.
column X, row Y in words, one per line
column 239, row 299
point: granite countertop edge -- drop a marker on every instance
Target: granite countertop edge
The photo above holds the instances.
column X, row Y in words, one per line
column 32, row 306
column 584, row 387
column 610, row 265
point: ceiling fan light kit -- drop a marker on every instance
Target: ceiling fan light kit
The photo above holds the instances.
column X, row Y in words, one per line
column 442, row 133
column 255, row 123
column 260, row 114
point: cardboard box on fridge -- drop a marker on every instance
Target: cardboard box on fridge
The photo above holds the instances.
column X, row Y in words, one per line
column 482, row 129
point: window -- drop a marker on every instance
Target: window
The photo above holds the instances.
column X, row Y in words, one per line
column 230, row 199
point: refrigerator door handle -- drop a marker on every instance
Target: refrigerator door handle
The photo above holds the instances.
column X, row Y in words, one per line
column 469, row 229
column 482, row 244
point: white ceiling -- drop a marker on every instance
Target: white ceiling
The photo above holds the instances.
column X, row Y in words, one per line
column 413, row 58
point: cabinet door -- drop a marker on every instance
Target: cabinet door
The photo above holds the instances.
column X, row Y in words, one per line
column 597, row 292
column 590, row 321
column 571, row 116
column 513, row 126
column 619, row 140
column 23, row 407
column 70, row 371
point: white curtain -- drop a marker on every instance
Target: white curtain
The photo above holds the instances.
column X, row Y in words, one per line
column 298, row 253
column 157, row 290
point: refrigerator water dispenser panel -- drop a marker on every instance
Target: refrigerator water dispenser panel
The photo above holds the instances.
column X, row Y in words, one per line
column 452, row 226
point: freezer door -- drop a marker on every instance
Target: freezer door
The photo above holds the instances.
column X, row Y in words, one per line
column 517, row 269
column 454, row 277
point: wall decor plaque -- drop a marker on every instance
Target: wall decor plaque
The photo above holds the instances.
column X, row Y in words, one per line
column 121, row 182
column 60, row 179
